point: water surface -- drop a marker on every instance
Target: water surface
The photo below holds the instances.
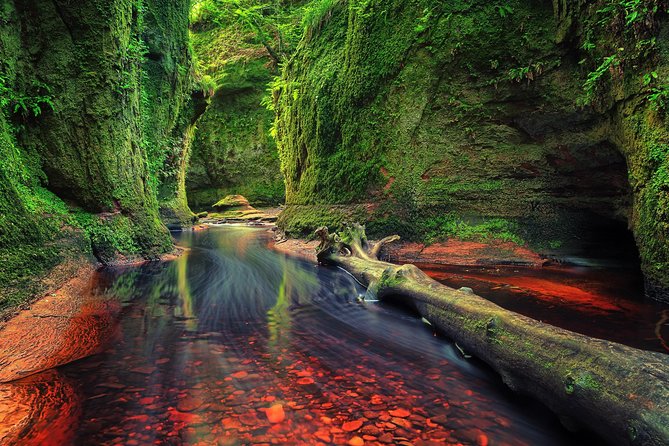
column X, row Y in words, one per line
column 602, row 302
column 236, row 344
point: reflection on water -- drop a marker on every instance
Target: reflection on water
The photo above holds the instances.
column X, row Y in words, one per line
column 606, row 303
column 236, row 344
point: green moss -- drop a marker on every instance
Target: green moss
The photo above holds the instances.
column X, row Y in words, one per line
column 91, row 140
column 407, row 105
column 233, row 152
column 300, row 222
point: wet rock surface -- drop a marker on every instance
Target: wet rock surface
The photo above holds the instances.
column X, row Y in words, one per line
column 64, row 326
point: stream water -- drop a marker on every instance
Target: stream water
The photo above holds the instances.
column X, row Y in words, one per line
column 602, row 302
column 233, row 343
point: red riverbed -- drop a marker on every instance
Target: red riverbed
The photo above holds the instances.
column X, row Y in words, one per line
column 233, row 344
column 606, row 303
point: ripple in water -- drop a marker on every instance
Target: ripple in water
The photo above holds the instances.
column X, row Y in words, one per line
column 236, row 344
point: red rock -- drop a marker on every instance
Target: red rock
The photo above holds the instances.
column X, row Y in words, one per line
column 483, row 440
column 275, row 414
column 240, row 374
column 305, row 381
column 401, row 422
column 386, row 438
column 249, row 419
column 439, row 435
column 370, row 429
column 439, row 420
column 189, row 404
column 401, row 413
column 323, row 436
column 376, row 400
column 351, row 426
column 356, row 441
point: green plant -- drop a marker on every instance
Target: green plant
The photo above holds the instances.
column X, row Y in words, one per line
column 423, row 21
column 504, row 10
column 658, row 95
column 531, row 71
column 631, row 11
column 591, row 84
column 30, row 104
column 316, row 13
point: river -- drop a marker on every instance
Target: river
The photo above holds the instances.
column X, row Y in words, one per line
column 234, row 343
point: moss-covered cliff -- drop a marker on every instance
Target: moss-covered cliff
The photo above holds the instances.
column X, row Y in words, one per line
column 233, row 152
column 95, row 102
column 530, row 121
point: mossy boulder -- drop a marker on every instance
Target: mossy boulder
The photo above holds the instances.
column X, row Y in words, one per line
column 236, row 208
column 230, row 202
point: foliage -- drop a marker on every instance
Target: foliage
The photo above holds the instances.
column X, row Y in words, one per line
column 593, row 82
column 658, row 95
column 315, row 13
column 273, row 24
column 630, row 11
column 504, row 10
column 531, row 71
column 29, row 104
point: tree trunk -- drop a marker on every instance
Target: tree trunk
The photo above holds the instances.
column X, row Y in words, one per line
column 619, row 392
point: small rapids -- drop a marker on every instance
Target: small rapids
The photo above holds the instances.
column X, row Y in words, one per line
column 235, row 344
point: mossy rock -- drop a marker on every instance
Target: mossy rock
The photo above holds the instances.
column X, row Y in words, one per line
column 230, row 202
column 425, row 109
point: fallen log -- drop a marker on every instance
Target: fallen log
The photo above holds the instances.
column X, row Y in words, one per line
column 618, row 392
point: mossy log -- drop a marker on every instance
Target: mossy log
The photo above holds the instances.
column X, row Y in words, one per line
column 619, row 392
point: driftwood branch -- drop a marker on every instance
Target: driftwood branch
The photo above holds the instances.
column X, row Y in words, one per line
column 619, row 392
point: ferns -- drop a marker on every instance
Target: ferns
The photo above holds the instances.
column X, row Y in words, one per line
column 316, row 14
column 593, row 81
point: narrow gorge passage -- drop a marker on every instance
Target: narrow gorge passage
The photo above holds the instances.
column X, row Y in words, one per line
column 178, row 180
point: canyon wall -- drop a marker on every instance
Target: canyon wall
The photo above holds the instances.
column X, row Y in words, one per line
column 531, row 121
column 97, row 109
column 233, row 151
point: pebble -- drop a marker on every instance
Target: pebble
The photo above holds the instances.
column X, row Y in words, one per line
column 351, row 426
column 275, row 414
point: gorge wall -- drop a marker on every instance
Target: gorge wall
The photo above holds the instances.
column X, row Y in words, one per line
column 436, row 119
column 233, row 151
column 97, row 113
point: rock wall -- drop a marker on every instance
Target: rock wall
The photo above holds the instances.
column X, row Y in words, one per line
column 95, row 99
column 233, row 152
column 530, row 121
